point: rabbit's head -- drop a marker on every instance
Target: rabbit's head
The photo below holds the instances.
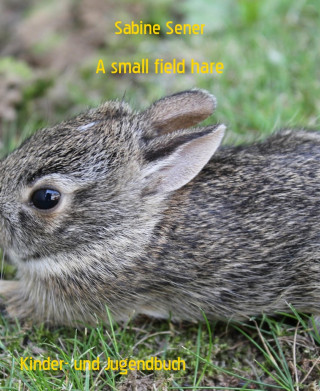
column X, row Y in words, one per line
column 96, row 185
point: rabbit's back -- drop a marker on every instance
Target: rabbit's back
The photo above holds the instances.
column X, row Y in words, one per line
column 244, row 235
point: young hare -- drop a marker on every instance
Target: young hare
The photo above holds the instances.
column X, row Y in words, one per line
column 140, row 212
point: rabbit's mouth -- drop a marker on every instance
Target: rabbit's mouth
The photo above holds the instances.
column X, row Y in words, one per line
column 2, row 239
column 8, row 258
column 13, row 259
column 17, row 258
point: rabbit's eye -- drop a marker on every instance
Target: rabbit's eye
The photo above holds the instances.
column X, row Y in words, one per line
column 45, row 198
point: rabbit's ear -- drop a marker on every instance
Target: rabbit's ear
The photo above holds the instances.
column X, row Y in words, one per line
column 175, row 159
column 178, row 111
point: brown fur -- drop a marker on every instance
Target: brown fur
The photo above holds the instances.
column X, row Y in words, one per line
column 140, row 230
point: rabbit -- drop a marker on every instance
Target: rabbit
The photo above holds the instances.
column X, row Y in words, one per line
column 143, row 213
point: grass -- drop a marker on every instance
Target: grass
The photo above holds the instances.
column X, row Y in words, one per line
column 265, row 352
column 271, row 80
